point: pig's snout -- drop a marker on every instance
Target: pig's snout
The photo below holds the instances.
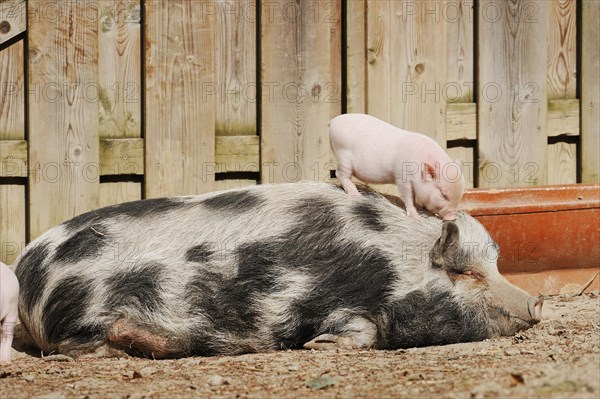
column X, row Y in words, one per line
column 535, row 308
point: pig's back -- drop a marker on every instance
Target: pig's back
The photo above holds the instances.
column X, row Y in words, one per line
column 353, row 130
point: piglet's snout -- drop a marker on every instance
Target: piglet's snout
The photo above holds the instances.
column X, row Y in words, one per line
column 535, row 308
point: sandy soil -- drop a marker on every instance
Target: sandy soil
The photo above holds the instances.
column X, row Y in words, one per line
column 558, row 358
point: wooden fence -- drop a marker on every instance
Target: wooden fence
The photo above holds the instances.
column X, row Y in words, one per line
column 106, row 101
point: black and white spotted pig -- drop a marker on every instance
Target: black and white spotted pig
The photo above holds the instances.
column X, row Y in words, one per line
column 264, row 268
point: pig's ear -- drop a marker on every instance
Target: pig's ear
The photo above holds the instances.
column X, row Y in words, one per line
column 427, row 172
column 446, row 248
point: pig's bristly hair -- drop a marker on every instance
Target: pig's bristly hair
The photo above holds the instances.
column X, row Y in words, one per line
column 245, row 270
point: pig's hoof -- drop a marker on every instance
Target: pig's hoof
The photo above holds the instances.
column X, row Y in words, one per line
column 331, row 342
column 413, row 213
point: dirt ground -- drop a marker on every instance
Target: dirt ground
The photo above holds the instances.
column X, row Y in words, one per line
column 558, row 358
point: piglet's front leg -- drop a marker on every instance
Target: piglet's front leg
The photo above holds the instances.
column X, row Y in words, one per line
column 407, row 195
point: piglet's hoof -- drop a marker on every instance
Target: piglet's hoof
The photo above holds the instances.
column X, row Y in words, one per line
column 412, row 212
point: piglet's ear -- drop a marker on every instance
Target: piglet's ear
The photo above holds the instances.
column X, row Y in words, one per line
column 427, row 172
column 446, row 248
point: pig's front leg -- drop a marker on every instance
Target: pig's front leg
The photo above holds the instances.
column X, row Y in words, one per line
column 407, row 195
column 358, row 332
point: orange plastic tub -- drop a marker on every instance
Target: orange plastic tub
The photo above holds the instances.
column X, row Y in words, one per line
column 549, row 236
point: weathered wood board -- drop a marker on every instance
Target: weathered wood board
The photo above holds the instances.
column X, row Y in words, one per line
column 562, row 84
column 459, row 17
column 590, row 92
column 116, row 193
column 406, row 70
column 119, row 68
column 562, row 159
column 465, row 154
column 13, row 19
column 12, row 93
column 63, row 134
column 235, row 87
column 301, row 77
column 13, row 150
column 512, row 100
column 562, row 49
column 356, row 56
column 180, row 116
column 12, row 221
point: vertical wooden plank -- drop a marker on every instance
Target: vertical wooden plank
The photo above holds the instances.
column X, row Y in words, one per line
column 12, row 89
column 119, row 81
column 459, row 16
column 63, row 99
column 407, row 65
column 590, row 91
column 120, row 86
column 465, row 154
column 562, row 161
column 235, row 69
column 512, row 104
column 562, row 49
column 180, row 116
column 12, row 222
column 300, row 74
column 561, row 82
column 116, row 193
column 460, row 78
column 12, row 127
column 356, row 56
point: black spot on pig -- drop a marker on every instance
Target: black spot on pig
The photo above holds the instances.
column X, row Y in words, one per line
column 84, row 244
column 65, row 310
column 369, row 216
column 134, row 209
column 234, row 201
column 347, row 275
column 32, row 275
column 255, row 266
column 199, row 253
column 316, row 220
column 230, row 302
column 431, row 317
column 138, row 288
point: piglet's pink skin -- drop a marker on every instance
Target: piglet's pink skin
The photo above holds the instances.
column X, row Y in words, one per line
column 9, row 310
column 376, row 152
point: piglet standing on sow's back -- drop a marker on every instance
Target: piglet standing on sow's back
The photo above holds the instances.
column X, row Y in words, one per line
column 9, row 310
column 376, row 152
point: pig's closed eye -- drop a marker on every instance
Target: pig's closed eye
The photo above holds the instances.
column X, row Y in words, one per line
column 469, row 273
